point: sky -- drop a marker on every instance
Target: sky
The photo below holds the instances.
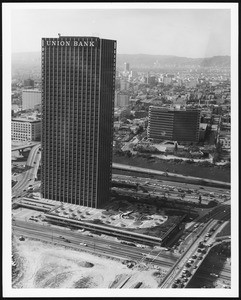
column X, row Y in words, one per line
column 180, row 32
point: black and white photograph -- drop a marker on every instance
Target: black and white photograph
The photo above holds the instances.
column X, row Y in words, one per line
column 120, row 149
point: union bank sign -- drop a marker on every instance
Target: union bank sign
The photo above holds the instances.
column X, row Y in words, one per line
column 71, row 43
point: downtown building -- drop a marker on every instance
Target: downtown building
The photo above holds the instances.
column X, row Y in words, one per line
column 25, row 129
column 30, row 99
column 78, row 81
column 173, row 124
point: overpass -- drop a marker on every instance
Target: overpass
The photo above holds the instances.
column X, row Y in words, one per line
column 22, row 147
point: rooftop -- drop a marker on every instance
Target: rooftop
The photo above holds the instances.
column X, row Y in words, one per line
column 25, row 120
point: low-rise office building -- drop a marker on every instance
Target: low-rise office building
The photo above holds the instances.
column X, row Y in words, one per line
column 174, row 125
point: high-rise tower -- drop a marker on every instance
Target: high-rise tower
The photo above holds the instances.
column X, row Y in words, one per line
column 78, row 80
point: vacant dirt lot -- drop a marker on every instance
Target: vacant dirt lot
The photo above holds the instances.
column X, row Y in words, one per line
column 43, row 265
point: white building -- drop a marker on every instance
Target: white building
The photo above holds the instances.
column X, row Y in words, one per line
column 225, row 142
column 30, row 98
column 121, row 100
column 25, row 129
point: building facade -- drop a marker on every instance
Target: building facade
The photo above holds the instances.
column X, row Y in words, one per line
column 25, row 130
column 30, row 98
column 175, row 125
column 28, row 83
column 126, row 67
column 121, row 100
column 78, row 81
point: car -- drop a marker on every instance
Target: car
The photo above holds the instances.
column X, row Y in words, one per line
column 200, row 258
column 21, row 238
column 194, row 256
column 174, row 285
column 30, row 179
column 67, row 241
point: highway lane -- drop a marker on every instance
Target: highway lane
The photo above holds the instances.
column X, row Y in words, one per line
column 197, row 180
column 29, row 175
column 76, row 233
column 153, row 181
column 108, row 246
column 179, row 266
column 31, row 159
column 30, row 145
column 93, row 247
column 176, row 190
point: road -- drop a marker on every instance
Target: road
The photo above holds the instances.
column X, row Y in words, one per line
column 178, row 269
column 95, row 244
column 30, row 145
column 176, row 190
column 111, row 248
column 29, row 175
column 179, row 177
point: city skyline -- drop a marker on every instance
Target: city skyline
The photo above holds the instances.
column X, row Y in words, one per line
column 168, row 180
column 193, row 33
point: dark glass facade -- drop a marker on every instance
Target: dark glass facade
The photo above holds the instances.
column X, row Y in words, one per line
column 78, row 79
column 175, row 125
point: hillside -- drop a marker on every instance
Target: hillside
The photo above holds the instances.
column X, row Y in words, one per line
column 23, row 61
column 166, row 61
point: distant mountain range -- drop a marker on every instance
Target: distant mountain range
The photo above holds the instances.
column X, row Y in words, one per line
column 168, row 61
column 33, row 59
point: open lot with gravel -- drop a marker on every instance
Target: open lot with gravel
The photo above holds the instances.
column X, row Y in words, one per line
column 43, row 265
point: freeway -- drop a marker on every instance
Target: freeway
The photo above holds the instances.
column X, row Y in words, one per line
column 94, row 244
column 30, row 174
column 172, row 176
column 30, row 145
column 178, row 270
column 172, row 190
